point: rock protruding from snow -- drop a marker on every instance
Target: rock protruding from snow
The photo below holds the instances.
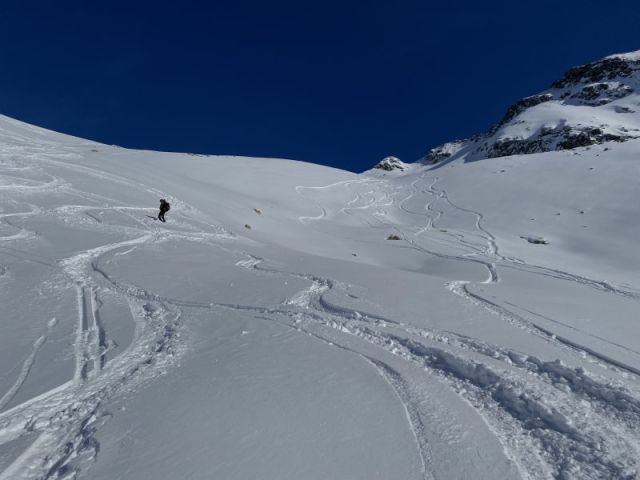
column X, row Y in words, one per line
column 608, row 68
column 391, row 163
column 444, row 151
column 536, row 240
column 520, row 106
column 589, row 105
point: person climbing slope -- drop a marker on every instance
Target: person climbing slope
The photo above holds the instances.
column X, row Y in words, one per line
column 164, row 208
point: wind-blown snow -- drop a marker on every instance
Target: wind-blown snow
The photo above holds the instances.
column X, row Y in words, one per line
column 270, row 329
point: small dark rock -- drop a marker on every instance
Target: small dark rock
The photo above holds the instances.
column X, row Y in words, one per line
column 536, row 240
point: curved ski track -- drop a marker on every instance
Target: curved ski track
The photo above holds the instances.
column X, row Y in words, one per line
column 65, row 418
column 545, row 434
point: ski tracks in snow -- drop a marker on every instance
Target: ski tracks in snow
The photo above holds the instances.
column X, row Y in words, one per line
column 66, row 417
column 604, row 458
column 26, row 366
column 63, row 420
column 553, row 420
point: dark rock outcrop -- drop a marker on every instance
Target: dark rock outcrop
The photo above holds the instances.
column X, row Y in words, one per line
column 514, row 146
column 562, row 138
column 589, row 136
column 442, row 152
column 609, row 68
column 519, row 107
column 598, row 94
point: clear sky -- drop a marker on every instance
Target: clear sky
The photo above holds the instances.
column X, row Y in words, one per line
column 342, row 83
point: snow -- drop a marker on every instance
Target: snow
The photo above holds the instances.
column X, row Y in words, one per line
column 310, row 346
column 632, row 56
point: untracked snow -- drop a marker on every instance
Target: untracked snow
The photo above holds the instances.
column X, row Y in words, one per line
column 291, row 321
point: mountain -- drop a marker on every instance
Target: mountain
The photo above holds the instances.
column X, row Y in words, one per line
column 457, row 320
column 589, row 105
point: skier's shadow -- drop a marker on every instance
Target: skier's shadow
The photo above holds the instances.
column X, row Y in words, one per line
column 150, row 216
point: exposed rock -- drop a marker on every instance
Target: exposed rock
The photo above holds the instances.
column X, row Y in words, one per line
column 520, row 106
column 391, row 163
column 514, row 146
column 582, row 139
column 602, row 93
column 548, row 139
column 591, row 136
column 609, row 68
column 444, row 151
column 536, row 240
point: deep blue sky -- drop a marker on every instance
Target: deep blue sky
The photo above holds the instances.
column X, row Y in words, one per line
column 342, row 83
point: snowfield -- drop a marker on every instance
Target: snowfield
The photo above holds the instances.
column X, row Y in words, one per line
column 273, row 329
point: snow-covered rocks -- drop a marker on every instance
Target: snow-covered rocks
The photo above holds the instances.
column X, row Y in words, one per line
column 607, row 68
column 444, row 151
column 589, row 105
column 391, row 163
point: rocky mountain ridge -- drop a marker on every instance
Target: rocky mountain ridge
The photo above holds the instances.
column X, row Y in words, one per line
column 588, row 105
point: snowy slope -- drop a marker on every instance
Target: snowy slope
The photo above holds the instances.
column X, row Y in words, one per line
column 272, row 329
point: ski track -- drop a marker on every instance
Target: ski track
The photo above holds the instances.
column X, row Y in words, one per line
column 550, row 428
column 555, row 435
column 24, row 371
column 550, row 418
column 66, row 418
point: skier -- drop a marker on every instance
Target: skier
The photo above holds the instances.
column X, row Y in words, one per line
column 164, row 208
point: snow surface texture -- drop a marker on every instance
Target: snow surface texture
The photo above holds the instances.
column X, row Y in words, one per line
column 589, row 105
column 496, row 339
